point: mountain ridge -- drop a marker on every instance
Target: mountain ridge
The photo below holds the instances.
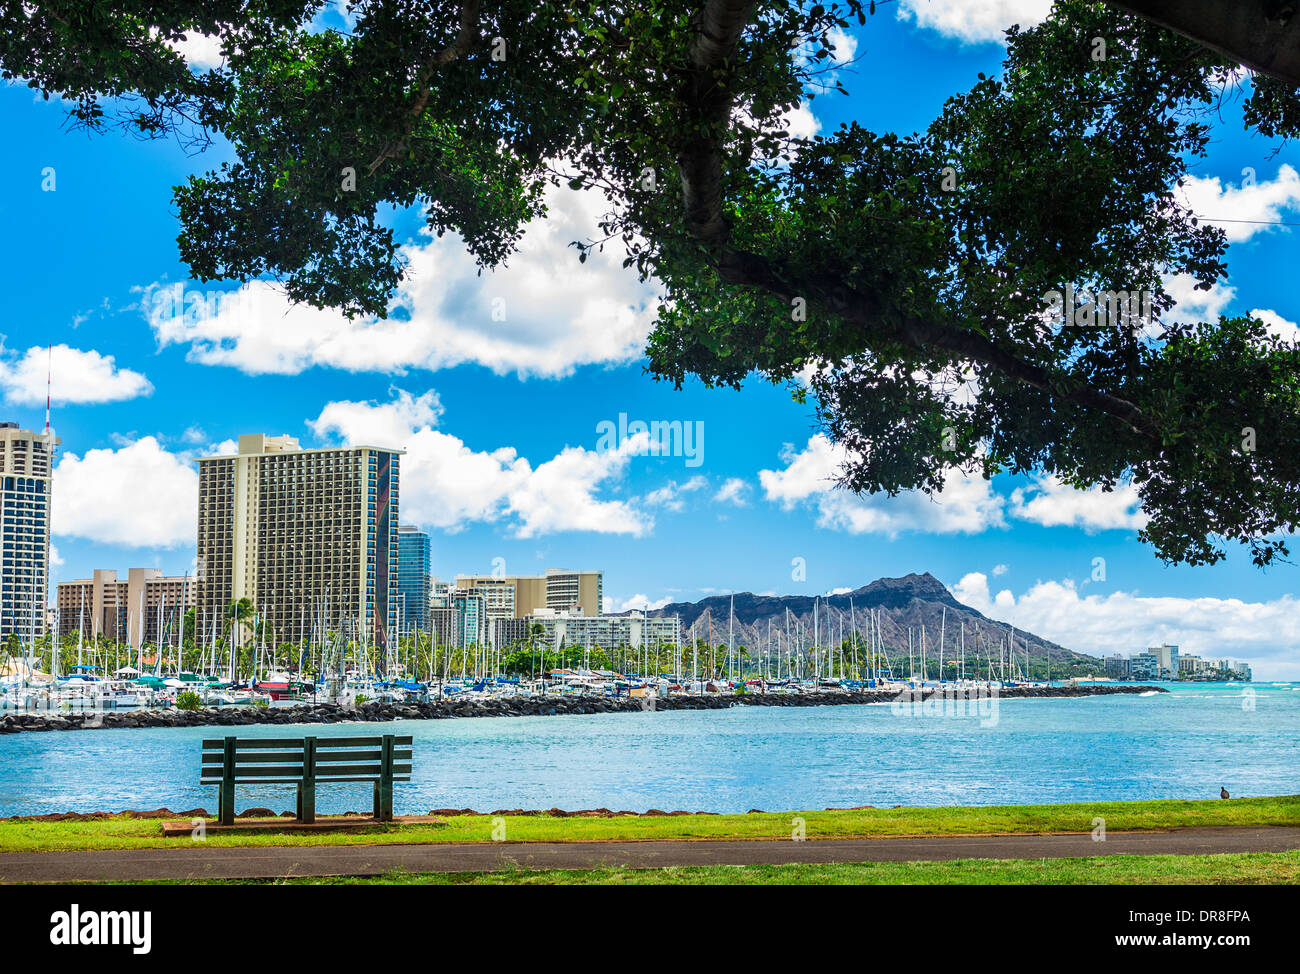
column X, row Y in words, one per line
column 900, row 606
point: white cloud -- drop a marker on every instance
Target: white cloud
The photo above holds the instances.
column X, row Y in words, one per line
column 733, row 491
column 801, row 123
column 199, row 50
column 642, row 603
column 966, row 505
column 389, row 424
column 669, row 496
column 76, row 376
column 1051, row 503
column 999, row 570
column 1279, row 327
column 1211, row 200
column 845, row 45
column 973, row 21
column 138, row 495
column 447, row 484
column 543, row 314
column 1191, row 304
column 1264, row 634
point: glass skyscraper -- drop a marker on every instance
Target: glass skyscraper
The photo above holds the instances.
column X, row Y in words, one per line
column 26, row 476
column 414, row 581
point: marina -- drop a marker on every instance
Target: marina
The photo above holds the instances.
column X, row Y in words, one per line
column 1184, row 744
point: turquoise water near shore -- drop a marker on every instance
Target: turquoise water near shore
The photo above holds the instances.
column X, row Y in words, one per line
column 1181, row 744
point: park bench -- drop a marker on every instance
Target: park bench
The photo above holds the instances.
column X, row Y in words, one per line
column 306, row 762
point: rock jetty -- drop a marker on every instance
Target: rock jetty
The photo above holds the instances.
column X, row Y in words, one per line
column 512, row 707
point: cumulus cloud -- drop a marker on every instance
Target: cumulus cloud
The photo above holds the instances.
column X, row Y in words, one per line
column 543, row 314
column 801, row 123
column 844, row 46
column 1051, row 503
column 138, row 495
column 641, row 603
column 1279, row 327
column 446, row 484
column 199, row 50
column 1192, row 304
column 76, row 376
column 973, row 21
column 1251, row 205
column 966, row 505
column 1264, row 634
column 669, row 496
column 733, row 491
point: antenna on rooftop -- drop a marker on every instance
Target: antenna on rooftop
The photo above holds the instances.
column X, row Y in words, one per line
column 49, row 377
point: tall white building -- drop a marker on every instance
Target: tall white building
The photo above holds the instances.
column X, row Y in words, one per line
column 308, row 536
column 632, row 631
column 26, row 478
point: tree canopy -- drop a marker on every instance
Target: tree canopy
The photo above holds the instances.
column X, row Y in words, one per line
column 987, row 294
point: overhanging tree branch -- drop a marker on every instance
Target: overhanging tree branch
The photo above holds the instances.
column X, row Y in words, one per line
column 869, row 314
column 466, row 35
column 708, row 102
column 1263, row 35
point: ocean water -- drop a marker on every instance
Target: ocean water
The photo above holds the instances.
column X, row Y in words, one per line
column 1182, row 744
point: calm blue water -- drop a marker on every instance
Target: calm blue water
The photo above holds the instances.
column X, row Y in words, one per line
column 1183, row 744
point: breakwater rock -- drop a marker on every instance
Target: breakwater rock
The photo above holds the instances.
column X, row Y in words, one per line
column 520, row 707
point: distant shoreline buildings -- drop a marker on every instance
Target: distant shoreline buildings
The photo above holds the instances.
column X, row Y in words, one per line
column 1164, row 662
column 312, row 539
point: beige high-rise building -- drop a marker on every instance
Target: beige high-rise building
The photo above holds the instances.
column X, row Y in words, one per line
column 131, row 610
column 308, row 536
column 518, row 596
column 26, row 476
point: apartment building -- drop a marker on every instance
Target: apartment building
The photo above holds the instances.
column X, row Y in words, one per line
column 519, row 596
column 562, row 629
column 310, row 537
column 26, row 478
column 143, row 607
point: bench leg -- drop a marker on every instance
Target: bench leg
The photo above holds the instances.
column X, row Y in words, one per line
column 307, row 802
column 378, row 806
column 226, row 803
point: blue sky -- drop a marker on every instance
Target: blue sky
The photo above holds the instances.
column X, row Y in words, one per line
column 500, row 418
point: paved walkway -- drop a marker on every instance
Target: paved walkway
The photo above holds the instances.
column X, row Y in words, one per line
column 193, row 861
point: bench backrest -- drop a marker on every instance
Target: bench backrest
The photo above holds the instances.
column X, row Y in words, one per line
column 277, row 760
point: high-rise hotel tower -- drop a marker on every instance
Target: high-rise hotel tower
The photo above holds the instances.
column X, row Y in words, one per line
column 26, row 473
column 308, row 536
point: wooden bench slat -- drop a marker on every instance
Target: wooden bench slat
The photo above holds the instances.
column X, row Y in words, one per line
column 336, row 757
column 361, row 741
column 263, row 771
column 319, row 779
column 257, row 771
column 253, row 743
column 264, row 757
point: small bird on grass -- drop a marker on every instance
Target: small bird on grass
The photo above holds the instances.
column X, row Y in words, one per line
column 1223, row 792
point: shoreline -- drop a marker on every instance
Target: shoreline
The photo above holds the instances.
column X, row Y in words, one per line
column 323, row 713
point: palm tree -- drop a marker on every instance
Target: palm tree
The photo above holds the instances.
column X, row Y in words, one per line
column 238, row 613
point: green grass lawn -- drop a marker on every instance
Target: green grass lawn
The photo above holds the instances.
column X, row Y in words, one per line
column 1235, row 868
column 17, row 835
